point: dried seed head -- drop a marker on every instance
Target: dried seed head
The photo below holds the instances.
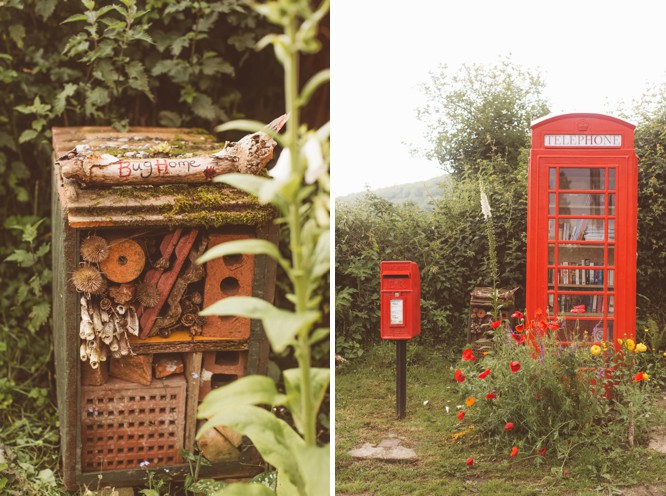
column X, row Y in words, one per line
column 105, row 304
column 94, row 249
column 123, row 294
column 188, row 319
column 147, row 294
column 88, row 279
column 196, row 298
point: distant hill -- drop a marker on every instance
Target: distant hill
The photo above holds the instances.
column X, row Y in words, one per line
column 420, row 192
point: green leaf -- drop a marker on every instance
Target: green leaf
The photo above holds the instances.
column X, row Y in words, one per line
column 61, row 99
column 138, row 79
column 319, row 334
column 311, row 86
column 39, row 315
column 167, row 118
column 281, row 326
column 319, row 379
column 27, row 135
column 202, row 105
column 239, row 489
column 250, row 390
column 75, row 18
column 247, row 246
column 216, row 65
column 251, row 127
column 321, row 260
column 313, row 463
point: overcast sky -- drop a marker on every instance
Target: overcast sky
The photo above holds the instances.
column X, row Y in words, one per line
column 593, row 55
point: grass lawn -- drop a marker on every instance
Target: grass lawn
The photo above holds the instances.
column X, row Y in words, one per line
column 365, row 413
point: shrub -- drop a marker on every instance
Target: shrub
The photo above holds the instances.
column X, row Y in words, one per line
column 548, row 395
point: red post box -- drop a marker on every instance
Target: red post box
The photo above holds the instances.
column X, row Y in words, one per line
column 400, row 300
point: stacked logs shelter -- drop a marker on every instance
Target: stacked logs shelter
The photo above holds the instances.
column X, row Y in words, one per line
column 132, row 214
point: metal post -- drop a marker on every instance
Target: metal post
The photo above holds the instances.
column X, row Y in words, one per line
column 401, row 377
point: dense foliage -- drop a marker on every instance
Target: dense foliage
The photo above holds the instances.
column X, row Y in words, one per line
column 482, row 135
column 123, row 63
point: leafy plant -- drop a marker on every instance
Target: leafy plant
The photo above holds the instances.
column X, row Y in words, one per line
column 299, row 191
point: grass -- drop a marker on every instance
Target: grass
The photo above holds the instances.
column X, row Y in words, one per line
column 365, row 412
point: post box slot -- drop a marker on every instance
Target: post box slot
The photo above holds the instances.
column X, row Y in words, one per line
column 396, row 276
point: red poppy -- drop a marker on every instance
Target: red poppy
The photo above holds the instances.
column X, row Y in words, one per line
column 509, row 426
column 517, row 315
column 553, row 325
column 461, row 414
column 484, row 374
column 470, row 462
column 542, row 452
column 520, row 328
column 515, row 366
column 566, row 473
column 491, row 396
column 468, row 354
column 495, row 324
column 514, row 452
column 459, row 376
column 641, row 376
column 518, row 338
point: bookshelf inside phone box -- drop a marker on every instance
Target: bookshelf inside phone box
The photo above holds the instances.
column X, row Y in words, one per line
column 133, row 356
column 582, row 221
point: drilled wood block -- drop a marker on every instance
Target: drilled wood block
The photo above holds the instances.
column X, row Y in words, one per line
column 227, row 276
column 138, row 368
column 94, row 377
column 168, row 364
column 125, row 425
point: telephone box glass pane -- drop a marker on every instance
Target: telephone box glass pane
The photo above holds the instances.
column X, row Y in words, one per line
column 611, row 230
column 582, row 178
column 581, row 229
column 611, row 257
column 582, row 330
column 551, row 178
column 581, row 255
column 611, row 204
column 551, row 228
column 580, row 305
column 581, row 204
column 611, row 305
column 551, row 303
column 611, row 278
column 580, row 277
column 611, row 178
column 551, row 203
column 551, row 254
column 610, row 334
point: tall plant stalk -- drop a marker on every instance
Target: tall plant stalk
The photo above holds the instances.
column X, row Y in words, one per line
column 299, row 189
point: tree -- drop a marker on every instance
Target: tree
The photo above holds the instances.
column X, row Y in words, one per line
column 481, row 113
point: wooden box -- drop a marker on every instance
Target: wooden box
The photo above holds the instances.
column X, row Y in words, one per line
column 153, row 230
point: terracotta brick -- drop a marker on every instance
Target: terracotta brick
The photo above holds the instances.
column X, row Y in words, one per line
column 138, row 368
column 168, row 364
column 220, row 368
column 227, row 276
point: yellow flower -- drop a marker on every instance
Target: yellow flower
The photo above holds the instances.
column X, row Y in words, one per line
column 664, row 354
column 603, row 345
column 619, row 341
column 470, row 401
column 595, row 350
column 629, row 343
column 645, row 376
column 641, row 348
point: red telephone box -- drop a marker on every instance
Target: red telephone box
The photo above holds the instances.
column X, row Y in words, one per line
column 400, row 303
column 581, row 225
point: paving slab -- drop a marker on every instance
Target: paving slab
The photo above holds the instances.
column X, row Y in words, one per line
column 389, row 449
